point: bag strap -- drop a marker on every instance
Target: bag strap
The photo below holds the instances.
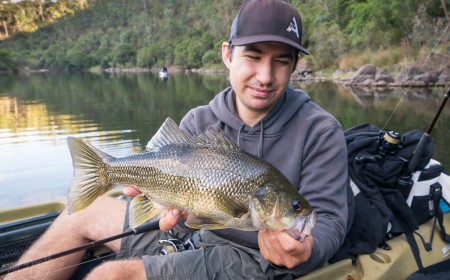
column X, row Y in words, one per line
column 436, row 195
column 414, row 248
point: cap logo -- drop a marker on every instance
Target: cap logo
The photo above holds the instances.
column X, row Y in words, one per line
column 293, row 27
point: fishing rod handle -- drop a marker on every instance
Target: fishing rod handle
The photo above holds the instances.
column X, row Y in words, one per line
column 418, row 152
column 154, row 225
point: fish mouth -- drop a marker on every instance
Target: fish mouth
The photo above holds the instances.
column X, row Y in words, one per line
column 303, row 226
column 298, row 227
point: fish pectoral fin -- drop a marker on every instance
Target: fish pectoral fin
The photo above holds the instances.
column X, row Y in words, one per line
column 226, row 205
column 141, row 210
column 227, row 208
column 203, row 223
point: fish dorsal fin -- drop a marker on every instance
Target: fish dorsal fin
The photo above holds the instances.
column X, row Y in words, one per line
column 216, row 137
column 170, row 133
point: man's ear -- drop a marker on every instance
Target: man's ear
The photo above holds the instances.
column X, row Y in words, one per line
column 226, row 54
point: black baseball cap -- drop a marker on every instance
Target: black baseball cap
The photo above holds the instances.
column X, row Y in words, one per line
column 267, row 21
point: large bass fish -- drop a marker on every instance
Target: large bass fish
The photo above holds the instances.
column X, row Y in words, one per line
column 209, row 177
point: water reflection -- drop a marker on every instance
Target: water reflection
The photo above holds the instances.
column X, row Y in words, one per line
column 120, row 112
column 116, row 112
column 396, row 109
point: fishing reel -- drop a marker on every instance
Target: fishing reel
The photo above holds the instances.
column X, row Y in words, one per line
column 389, row 143
column 175, row 245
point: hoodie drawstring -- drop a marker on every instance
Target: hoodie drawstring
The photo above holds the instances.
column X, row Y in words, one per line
column 239, row 134
column 261, row 140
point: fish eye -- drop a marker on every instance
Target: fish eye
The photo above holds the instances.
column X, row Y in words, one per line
column 296, row 205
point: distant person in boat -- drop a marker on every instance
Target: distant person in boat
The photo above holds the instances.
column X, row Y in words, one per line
column 265, row 117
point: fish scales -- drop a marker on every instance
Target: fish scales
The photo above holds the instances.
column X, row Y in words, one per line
column 173, row 172
column 218, row 185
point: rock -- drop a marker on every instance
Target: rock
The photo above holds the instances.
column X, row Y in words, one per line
column 415, row 76
column 444, row 78
column 364, row 74
column 304, row 68
column 409, row 74
column 431, row 71
column 429, row 78
column 383, row 78
column 368, row 75
column 296, row 76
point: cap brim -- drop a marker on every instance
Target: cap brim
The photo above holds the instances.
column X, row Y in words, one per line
column 247, row 40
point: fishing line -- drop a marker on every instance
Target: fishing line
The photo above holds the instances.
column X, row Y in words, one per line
column 93, row 260
column 87, row 261
column 415, row 77
column 97, row 258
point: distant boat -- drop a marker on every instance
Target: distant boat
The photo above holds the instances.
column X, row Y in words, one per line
column 164, row 73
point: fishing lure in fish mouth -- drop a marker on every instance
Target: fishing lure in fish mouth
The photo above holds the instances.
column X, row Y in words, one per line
column 207, row 176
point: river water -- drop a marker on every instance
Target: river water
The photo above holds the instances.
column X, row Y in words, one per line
column 119, row 113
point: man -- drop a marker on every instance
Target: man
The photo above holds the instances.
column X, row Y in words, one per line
column 266, row 118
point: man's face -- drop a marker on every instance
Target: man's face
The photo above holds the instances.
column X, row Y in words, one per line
column 259, row 74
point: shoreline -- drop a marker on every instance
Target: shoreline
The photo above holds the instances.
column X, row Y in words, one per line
column 415, row 75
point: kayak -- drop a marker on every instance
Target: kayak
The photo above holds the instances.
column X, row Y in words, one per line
column 20, row 226
column 396, row 263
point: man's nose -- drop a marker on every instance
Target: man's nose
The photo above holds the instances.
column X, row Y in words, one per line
column 265, row 73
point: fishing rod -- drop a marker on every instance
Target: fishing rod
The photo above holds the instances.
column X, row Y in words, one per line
column 405, row 181
column 420, row 148
column 133, row 231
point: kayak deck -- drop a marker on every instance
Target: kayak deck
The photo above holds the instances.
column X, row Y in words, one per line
column 20, row 226
column 397, row 263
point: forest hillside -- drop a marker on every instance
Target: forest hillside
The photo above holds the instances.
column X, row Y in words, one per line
column 81, row 34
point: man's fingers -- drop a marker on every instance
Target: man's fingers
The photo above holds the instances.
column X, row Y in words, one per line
column 131, row 191
column 169, row 220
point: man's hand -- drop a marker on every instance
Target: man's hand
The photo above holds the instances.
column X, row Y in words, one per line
column 281, row 249
column 131, row 191
column 168, row 220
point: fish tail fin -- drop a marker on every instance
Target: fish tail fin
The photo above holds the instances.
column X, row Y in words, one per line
column 90, row 180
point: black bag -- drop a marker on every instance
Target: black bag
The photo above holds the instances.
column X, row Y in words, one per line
column 439, row 271
column 383, row 206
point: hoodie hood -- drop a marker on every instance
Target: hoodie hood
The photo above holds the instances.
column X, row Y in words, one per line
column 223, row 106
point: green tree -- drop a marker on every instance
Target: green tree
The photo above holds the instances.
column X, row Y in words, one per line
column 7, row 61
column 149, row 56
column 151, row 33
column 122, row 54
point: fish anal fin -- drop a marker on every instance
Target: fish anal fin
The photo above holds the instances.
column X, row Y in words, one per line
column 203, row 223
column 141, row 210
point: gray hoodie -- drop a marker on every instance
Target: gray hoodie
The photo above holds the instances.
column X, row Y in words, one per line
column 306, row 144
